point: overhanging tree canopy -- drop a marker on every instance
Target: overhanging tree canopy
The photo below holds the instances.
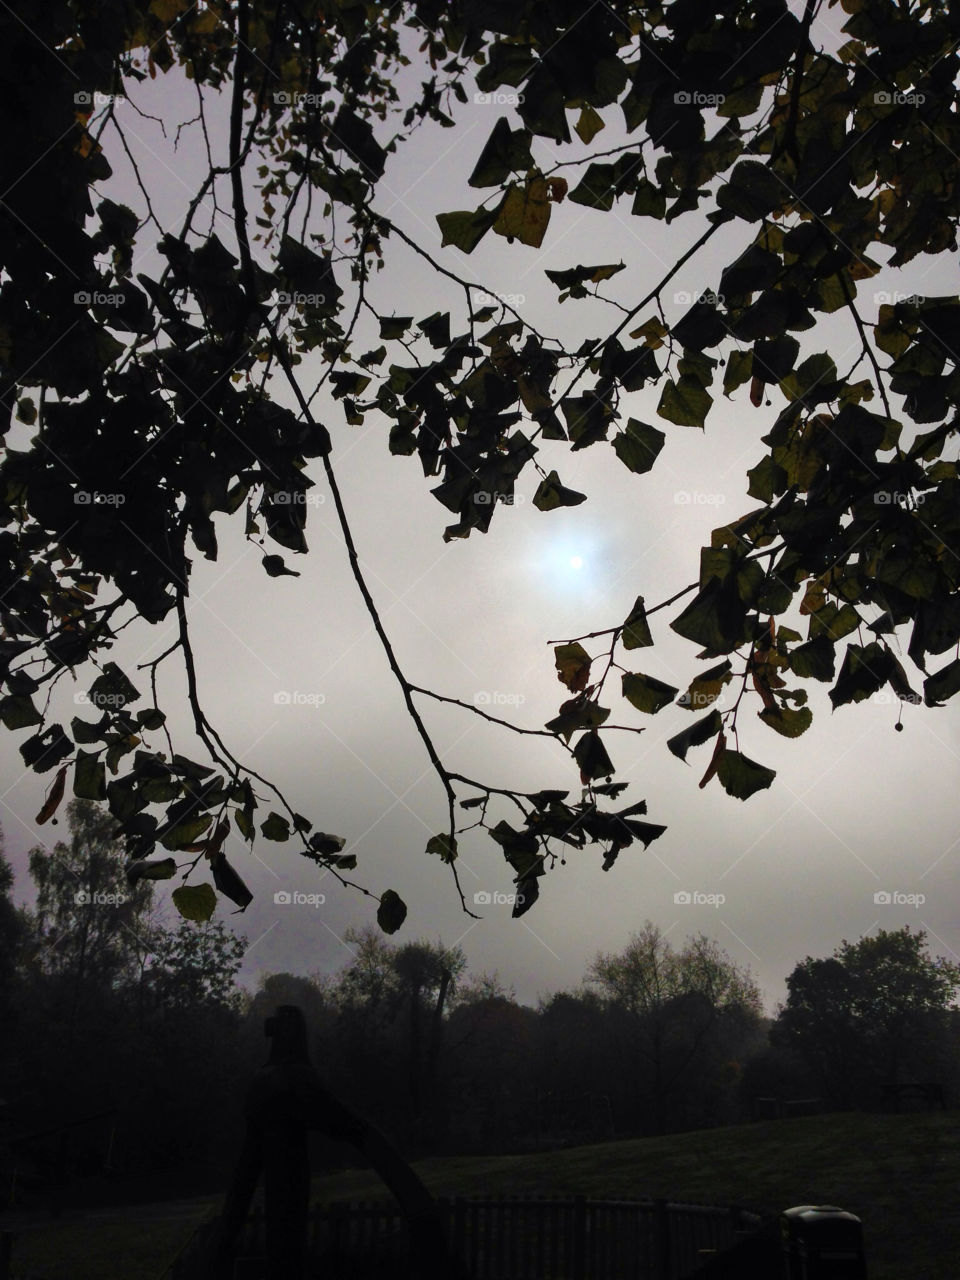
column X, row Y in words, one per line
column 157, row 401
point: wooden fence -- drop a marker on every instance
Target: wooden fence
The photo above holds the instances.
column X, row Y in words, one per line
column 513, row 1238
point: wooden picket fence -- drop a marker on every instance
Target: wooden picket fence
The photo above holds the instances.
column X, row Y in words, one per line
column 515, row 1238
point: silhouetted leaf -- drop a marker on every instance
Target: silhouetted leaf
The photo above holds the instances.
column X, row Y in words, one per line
column 740, row 776
column 436, row 328
column 185, row 833
column 54, row 796
column 636, row 630
column 151, row 869
column 638, row 445
column 275, row 827
column 396, row 326
column 647, row 693
column 195, row 902
column 90, row 776
column 464, row 229
column 18, row 712
column 591, row 755
column 112, row 689
column 816, row 659
column 527, row 892
column 685, row 402
column 525, row 212
column 788, row 722
column 707, row 687
column 695, row 735
column 577, row 713
column 573, row 666
column 391, row 912
column 752, row 192
column 942, row 684
column 506, row 151
column 45, row 750
column 865, row 670
column 444, row 848
column 552, row 494
column 229, row 883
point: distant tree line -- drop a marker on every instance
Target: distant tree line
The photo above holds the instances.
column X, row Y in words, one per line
column 107, row 1007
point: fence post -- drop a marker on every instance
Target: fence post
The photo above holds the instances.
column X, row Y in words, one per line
column 458, row 1234
column 6, row 1253
column 223, row 1244
column 661, row 1240
column 579, row 1237
column 286, row 1197
column 335, row 1212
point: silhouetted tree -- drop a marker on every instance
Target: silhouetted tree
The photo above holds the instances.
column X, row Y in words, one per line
column 871, row 1014
column 670, row 1009
column 195, row 967
column 94, row 928
column 13, row 932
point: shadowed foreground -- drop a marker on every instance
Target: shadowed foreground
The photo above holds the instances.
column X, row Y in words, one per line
column 898, row 1173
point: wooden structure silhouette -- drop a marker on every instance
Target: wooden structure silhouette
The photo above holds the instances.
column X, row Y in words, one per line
column 285, row 1101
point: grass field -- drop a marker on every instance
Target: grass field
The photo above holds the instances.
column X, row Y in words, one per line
column 900, row 1174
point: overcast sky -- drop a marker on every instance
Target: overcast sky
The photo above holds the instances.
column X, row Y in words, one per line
column 856, row 808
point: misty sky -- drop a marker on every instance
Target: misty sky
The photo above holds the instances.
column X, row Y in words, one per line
column 856, row 808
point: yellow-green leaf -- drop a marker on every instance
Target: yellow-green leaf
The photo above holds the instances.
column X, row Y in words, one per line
column 647, row 693
column 740, row 776
column 685, row 402
column 786, row 721
column 573, row 666
column 589, row 124
column 706, row 688
column 652, row 331
column 195, row 901
column 525, row 213
column 636, row 629
column 186, row 832
column 443, row 847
